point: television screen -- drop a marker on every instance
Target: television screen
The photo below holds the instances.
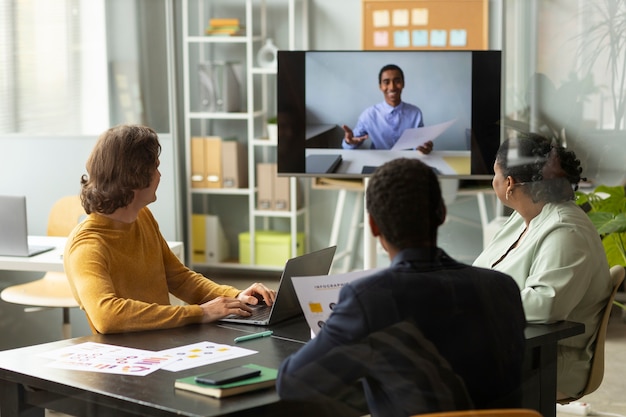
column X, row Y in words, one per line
column 320, row 92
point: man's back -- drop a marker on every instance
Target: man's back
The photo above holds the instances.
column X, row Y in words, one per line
column 472, row 316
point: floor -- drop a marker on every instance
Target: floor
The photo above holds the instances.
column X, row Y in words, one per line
column 610, row 398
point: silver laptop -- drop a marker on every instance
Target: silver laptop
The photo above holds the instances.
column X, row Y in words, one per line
column 286, row 305
column 14, row 228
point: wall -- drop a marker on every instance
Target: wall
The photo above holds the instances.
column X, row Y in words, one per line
column 47, row 168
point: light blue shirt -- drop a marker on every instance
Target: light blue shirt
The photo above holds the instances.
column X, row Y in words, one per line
column 384, row 124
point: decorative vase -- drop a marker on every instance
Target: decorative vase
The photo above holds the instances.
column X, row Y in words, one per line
column 272, row 132
column 267, row 55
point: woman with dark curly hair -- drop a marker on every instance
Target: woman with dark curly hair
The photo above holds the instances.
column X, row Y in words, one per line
column 119, row 266
column 550, row 247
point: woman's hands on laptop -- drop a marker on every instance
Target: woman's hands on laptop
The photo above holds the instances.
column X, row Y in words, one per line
column 256, row 293
column 221, row 307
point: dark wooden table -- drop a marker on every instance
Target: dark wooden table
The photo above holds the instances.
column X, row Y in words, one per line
column 539, row 373
column 28, row 386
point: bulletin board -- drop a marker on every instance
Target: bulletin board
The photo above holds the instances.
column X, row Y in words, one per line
column 425, row 24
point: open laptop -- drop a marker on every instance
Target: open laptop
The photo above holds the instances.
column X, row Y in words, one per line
column 14, row 228
column 286, row 305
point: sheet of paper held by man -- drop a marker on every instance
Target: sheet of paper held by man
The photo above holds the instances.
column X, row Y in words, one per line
column 415, row 137
column 319, row 294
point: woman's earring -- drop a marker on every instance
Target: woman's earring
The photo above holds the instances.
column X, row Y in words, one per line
column 507, row 195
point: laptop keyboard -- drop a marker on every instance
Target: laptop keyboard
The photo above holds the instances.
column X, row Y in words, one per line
column 258, row 313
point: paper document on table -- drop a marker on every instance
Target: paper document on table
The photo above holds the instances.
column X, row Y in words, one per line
column 112, row 359
column 319, row 294
column 202, row 353
column 415, row 137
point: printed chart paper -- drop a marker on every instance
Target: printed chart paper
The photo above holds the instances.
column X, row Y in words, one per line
column 203, row 353
column 319, row 294
column 99, row 357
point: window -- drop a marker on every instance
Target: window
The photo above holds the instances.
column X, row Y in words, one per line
column 53, row 72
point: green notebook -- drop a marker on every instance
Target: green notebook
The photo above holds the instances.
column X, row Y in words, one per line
column 265, row 380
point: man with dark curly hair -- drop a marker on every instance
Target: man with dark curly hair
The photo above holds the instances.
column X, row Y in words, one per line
column 120, row 268
column 465, row 319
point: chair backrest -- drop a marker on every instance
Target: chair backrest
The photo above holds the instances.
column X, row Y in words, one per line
column 64, row 215
column 596, row 373
column 505, row 412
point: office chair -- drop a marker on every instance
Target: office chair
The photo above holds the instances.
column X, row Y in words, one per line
column 596, row 372
column 504, row 412
column 53, row 289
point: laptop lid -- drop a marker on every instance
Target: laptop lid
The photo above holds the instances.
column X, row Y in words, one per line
column 14, row 228
column 286, row 305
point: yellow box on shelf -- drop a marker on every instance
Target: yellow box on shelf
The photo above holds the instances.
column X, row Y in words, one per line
column 272, row 248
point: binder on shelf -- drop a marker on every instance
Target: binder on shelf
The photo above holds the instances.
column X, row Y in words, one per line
column 220, row 90
column 209, row 244
column 265, row 184
column 282, row 193
column 198, row 179
column 234, row 164
column 213, row 161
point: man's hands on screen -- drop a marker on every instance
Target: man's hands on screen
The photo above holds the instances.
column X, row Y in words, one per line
column 426, row 148
column 349, row 137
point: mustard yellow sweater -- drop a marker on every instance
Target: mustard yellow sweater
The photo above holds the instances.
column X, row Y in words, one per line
column 121, row 275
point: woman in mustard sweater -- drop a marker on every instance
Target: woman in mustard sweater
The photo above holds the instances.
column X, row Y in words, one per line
column 119, row 266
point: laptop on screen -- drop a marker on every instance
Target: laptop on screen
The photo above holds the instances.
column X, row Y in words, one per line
column 286, row 304
column 14, row 228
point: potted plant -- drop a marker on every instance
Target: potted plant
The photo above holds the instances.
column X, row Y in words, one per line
column 606, row 207
column 272, row 129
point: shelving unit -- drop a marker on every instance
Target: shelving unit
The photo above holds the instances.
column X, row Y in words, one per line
column 237, row 207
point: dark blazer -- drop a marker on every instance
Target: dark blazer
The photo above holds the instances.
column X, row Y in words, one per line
column 472, row 316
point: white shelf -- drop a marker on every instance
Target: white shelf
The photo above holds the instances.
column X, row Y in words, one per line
column 222, row 191
column 257, row 106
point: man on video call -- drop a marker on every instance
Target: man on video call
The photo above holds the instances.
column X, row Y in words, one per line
column 383, row 123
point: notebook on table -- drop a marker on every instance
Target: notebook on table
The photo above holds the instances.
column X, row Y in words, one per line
column 14, row 228
column 286, row 304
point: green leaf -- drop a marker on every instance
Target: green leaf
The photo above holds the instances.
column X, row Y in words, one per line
column 614, row 248
column 607, row 223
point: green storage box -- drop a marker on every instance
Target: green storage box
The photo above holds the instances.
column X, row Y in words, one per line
column 273, row 248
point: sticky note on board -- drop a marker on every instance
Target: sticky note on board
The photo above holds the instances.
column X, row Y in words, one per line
column 400, row 17
column 381, row 38
column 401, row 38
column 420, row 37
column 419, row 17
column 458, row 37
column 380, row 18
column 438, row 37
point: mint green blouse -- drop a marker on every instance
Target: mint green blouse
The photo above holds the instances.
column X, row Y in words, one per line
column 561, row 269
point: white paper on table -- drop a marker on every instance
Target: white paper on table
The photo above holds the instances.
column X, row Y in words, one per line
column 414, row 137
column 319, row 294
column 111, row 359
column 202, row 353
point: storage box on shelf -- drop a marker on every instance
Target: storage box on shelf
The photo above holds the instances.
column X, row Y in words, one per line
column 272, row 248
column 229, row 93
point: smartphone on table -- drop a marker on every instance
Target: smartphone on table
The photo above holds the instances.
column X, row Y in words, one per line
column 226, row 376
